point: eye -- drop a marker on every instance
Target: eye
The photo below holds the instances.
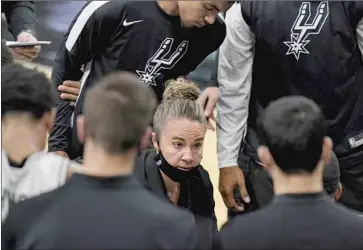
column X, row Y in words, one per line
column 178, row 145
column 198, row 145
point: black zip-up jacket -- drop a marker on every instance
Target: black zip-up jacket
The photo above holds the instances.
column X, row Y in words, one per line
column 196, row 195
column 20, row 16
column 136, row 36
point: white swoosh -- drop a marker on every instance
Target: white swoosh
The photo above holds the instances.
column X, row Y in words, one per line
column 126, row 23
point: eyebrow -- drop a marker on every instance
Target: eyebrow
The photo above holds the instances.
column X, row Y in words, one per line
column 181, row 139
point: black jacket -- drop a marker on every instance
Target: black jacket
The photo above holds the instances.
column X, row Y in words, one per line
column 125, row 35
column 196, row 195
column 98, row 213
column 328, row 68
column 20, row 16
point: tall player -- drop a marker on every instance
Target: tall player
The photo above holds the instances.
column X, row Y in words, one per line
column 275, row 49
column 157, row 40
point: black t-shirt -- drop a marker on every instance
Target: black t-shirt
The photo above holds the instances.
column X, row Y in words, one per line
column 98, row 213
column 125, row 35
column 296, row 221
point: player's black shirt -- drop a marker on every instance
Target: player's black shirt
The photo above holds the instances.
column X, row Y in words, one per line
column 311, row 50
column 98, row 213
column 136, row 36
column 296, row 221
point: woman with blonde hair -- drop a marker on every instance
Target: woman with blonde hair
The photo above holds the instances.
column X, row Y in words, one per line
column 172, row 169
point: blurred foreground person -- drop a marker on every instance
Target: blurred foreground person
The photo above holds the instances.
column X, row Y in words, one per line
column 27, row 115
column 172, row 170
column 301, row 216
column 103, row 206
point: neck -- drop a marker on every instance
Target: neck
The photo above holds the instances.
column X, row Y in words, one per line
column 169, row 7
column 20, row 138
column 169, row 183
column 298, row 184
column 97, row 162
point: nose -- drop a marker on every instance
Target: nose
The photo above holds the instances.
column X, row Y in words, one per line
column 211, row 18
column 187, row 156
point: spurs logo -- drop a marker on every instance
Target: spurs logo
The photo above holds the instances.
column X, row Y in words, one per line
column 162, row 60
column 303, row 28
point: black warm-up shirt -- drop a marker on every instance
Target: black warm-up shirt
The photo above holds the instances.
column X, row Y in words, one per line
column 98, row 213
column 137, row 36
column 296, row 221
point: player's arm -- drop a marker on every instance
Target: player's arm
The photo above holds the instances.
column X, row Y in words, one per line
column 20, row 16
column 235, row 78
column 88, row 35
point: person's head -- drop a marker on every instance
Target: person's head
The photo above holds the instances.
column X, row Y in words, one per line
column 331, row 178
column 180, row 125
column 292, row 133
column 117, row 115
column 27, row 96
column 200, row 13
column 6, row 56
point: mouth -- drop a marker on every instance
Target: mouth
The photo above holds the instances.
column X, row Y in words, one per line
column 184, row 169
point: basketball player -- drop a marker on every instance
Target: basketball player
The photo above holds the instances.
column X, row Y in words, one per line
column 280, row 48
column 27, row 115
column 157, row 40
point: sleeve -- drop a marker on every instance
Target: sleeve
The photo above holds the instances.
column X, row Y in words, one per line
column 88, row 35
column 235, row 62
column 360, row 36
column 20, row 16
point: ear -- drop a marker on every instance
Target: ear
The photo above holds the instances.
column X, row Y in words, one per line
column 265, row 157
column 155, row 141
column 327, row 150
column 339, row 192
column 81, row 128
column 145, row 139
column 49, row 119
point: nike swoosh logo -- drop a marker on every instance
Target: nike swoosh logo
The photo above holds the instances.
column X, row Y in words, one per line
column 126, row 23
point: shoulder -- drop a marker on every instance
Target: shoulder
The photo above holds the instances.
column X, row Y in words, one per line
column 205, row 177
column 24, row 213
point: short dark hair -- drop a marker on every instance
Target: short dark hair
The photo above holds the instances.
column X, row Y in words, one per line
column 25, row 90
column 117, row 111
column 293, row 130
column 6, row 56
column 331, row 175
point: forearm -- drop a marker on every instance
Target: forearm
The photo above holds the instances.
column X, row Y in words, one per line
column 21, row 17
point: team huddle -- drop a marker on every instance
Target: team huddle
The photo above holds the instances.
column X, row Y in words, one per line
column 127, row 128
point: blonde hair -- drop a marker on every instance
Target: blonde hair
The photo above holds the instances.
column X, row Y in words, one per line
column 179, row 101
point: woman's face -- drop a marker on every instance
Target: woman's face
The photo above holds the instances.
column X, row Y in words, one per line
column 181, row 143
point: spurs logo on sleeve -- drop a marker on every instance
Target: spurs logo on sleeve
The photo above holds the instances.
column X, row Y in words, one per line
column 304, row 26
column 162, row 59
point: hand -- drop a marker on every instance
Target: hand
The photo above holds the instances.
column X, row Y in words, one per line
column 61, row 153
column 229, row 178
column 208, row 99
column 70, row 91
column 26, row 53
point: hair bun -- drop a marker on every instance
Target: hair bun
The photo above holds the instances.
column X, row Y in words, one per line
column 181, row 88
